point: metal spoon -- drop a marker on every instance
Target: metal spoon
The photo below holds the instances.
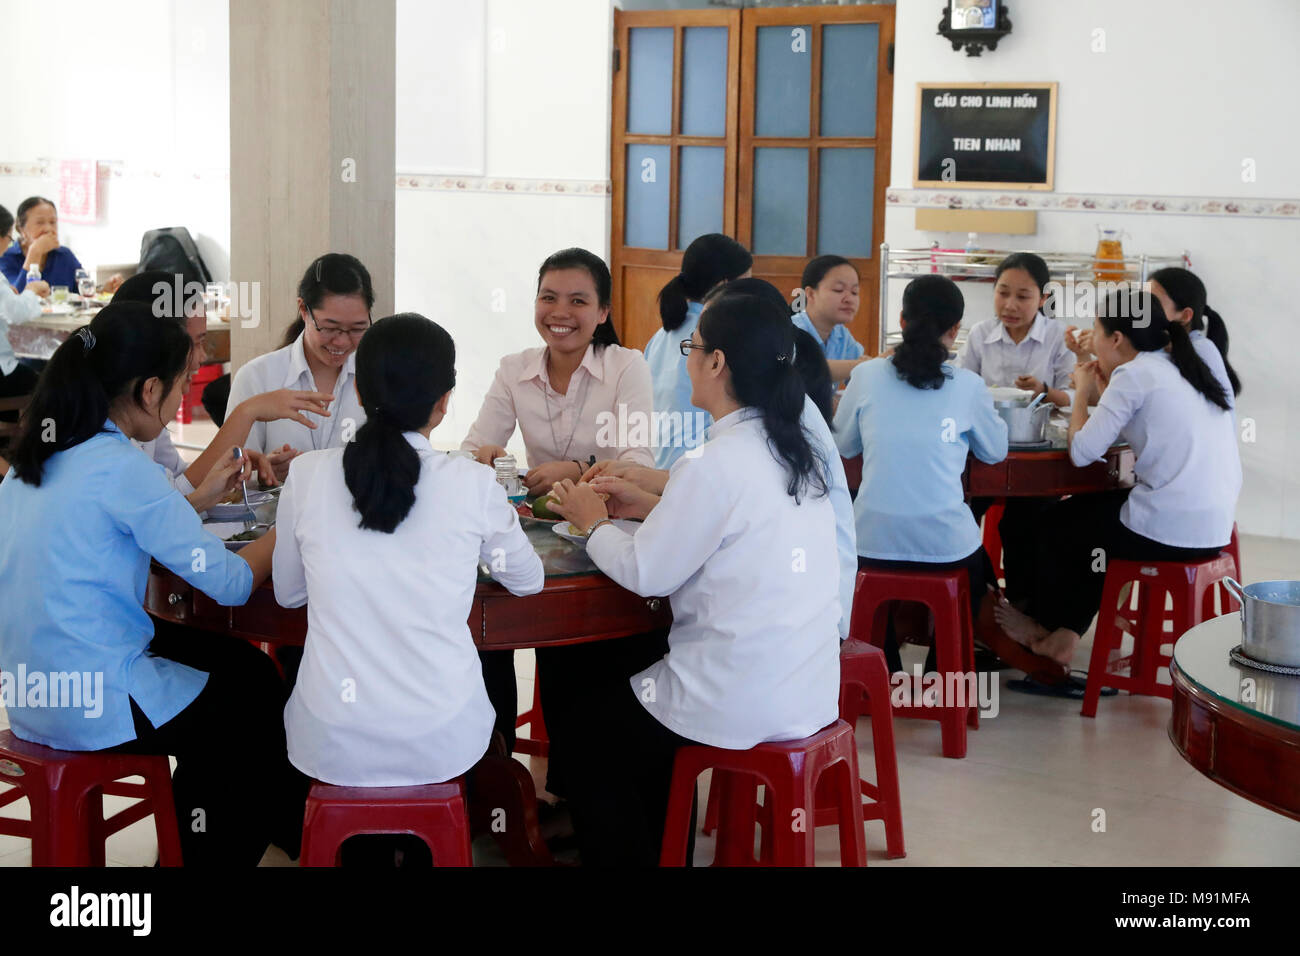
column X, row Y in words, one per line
column 248, row 525
column 1037, row 398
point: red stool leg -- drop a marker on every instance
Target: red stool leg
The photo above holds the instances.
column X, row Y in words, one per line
column 882, row 738
column 853, row 844
column 1106, row 637
column 950, row 659
column 449, row 840
column 681, row 795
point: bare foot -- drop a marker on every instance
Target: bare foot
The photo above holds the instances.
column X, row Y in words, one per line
column 1018, row 625
column 1058, row 645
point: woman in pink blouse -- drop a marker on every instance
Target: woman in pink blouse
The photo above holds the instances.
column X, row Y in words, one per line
column 569, row 396
column 578, row 399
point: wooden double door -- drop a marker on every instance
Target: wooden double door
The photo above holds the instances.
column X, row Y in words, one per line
column 769, row 125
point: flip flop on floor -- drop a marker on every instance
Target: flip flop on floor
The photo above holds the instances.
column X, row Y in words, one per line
column 1072, row 688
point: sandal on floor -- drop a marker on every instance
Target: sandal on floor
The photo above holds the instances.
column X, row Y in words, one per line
column 1072, row 688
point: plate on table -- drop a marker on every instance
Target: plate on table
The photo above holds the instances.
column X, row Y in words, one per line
column 236, row 511
column 567, row 532
column 233, row 533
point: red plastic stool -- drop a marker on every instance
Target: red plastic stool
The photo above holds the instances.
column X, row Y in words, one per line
column 993, row 537
column 434, row 812
column 537, row 743
column 947, row 594
column 792, row 771
column 864, row 689
column 1191, row 586
column 66, row 791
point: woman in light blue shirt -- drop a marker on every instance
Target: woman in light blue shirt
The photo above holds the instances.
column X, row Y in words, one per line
column 914, row 418
column 709, row 260
column 830, row 302
column 81, row 516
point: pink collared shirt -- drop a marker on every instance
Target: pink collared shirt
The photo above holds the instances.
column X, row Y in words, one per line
column 607, row 409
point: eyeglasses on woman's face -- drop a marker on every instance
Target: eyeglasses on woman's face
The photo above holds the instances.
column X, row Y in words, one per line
column 334, row 331
column 686, row 345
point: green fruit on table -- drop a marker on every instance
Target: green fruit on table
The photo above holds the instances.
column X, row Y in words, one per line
column 542, row 508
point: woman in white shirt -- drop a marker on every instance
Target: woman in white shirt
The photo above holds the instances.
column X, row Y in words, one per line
column 743, row 543
column 914, row 419
column 335, row 297
column 1181, row 294
column 382, row 539
column 1176, row 416
column 579, row 398
column 1020, row 346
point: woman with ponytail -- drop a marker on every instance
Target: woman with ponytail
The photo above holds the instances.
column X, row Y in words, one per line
column 381, row 540
column 707, row 261
column 81, row 515
column 743, row 542
column 1181, row 295
column 1177, row 417
column 914, row 418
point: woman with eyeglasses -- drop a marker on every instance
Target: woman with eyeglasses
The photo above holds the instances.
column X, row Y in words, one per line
column 335, row 297
column 743, row 543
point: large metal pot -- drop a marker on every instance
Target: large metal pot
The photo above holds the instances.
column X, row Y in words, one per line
column 1270, row 614
column 1026, row 422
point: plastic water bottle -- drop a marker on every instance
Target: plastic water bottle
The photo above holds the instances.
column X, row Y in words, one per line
column 971, row 239
column 33, row 273
column 507, row 471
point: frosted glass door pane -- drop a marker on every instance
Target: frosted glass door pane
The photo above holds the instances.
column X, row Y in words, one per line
column 648, row 176
column 846, row 187
column 704, row 81
column 784, row 81
column 780, row 202
column 700, row 182
column 649, row 81
column 849, row 79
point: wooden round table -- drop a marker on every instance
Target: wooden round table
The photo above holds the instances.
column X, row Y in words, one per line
column 577, row 604
column 1237, row 725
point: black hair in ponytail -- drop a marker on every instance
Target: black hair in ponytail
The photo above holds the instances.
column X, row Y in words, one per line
column 405, row 364
column 1138, row 317
column 335, row 273
column 809, row 358
column 144, row 287
column 757, row 337
column 577, row 258
column 122, row 348
column 710, row 259
column 932, row 305
column 1187, row 291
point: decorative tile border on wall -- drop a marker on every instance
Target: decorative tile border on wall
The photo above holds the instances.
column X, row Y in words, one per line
column 112, row 169
column 591, row 188
column 1096, row 202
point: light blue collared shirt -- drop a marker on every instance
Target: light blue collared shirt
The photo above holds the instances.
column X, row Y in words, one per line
column 914, row 443
column 74, row 563
column 680, row 426
column 840, row 345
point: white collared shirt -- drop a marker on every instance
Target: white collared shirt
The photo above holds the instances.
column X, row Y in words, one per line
column 753, row 654
column 287, row 368
column 16, row 308
column 1188, row 470
column 990, row 353
column 390, row 692
column 606, row 408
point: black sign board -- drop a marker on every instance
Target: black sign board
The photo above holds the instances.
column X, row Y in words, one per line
column 992, row 135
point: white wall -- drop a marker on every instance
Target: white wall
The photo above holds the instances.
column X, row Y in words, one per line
column 547, row 68
column 139, row 85
column 1185, row 90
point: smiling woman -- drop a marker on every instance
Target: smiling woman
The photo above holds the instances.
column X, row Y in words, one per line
column 335, row 297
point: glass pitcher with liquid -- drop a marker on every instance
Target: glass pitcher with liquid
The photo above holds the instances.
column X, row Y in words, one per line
column 1108, row 261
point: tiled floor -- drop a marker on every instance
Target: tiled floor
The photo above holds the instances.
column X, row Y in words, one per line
column 1028, row 792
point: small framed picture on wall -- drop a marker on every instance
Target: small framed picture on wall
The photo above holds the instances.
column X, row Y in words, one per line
column 974, row 14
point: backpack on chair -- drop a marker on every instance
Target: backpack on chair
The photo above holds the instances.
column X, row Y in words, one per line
column 173, row 250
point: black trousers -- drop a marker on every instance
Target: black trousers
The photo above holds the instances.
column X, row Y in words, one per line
column 21, row 381
column 234, row 788
column 1075, row 539
column 1018, row 529
column 569, row 675
column 618, row 789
